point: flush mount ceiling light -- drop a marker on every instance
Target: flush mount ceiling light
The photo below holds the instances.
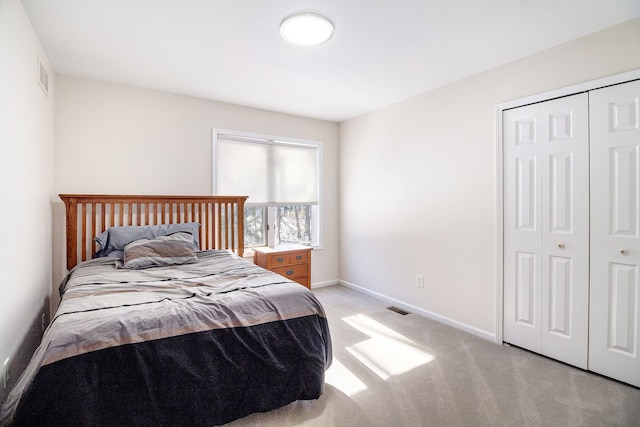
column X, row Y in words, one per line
column 306, row 29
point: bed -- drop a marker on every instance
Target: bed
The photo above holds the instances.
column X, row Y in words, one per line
column 175, row 329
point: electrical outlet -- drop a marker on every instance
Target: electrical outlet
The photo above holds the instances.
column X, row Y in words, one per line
column 420, row 280
column 5, row 373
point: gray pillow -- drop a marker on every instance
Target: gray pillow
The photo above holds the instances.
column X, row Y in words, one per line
column 113, row 240
column 172, row 249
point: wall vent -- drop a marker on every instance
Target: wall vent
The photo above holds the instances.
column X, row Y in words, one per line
column 43, row 77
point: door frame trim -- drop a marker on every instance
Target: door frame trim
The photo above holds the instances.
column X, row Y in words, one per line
column 520, row 102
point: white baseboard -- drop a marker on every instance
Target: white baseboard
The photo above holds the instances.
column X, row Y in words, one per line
column 323, row 284
column 422, row 312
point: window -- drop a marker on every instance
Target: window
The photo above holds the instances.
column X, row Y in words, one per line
column 281, row 176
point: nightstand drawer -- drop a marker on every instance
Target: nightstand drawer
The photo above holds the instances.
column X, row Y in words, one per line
column 291, row 271
column 299, row 257
column 276, row 260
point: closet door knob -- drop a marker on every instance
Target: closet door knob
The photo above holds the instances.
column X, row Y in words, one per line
column 561, row 245
column 624, row 251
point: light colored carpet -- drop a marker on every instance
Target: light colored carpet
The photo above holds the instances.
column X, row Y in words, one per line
column 395, row 370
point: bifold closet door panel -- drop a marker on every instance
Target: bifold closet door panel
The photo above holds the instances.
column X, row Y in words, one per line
column 522, row 227
column 615, row 232
column 565, row 229
column 546, row 228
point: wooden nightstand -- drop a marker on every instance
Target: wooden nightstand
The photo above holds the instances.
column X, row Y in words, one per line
column 290, row 261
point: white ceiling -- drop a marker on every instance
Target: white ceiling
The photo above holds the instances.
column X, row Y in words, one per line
column 383, row 51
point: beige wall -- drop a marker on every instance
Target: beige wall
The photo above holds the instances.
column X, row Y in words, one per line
column 26, row 186
column 124, row 140
column 418, row 181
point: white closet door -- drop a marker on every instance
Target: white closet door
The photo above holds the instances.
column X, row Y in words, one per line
column 565, row 225
column 546, row 246
column 522, row 227
column 615, row 232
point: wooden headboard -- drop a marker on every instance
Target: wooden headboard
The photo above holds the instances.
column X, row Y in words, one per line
column 221, row 219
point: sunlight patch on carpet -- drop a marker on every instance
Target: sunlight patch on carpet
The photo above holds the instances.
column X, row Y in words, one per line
column 343, row 379
column 386, row 353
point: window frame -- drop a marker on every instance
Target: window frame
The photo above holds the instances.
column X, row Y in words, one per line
column 272, row 139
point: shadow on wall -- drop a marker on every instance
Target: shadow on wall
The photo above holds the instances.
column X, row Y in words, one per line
column 58, row 251
column 20, row 359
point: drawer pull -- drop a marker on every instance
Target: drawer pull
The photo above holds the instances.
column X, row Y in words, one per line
column 624, row 251
column 298, row 257
column 289, row 272
column 280, row 259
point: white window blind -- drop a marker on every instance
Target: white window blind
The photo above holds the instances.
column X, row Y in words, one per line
column 270, row 172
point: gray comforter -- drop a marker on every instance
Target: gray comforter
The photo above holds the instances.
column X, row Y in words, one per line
column 196, row 344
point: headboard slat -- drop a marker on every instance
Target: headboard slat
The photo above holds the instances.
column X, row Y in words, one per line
column 221, row 218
